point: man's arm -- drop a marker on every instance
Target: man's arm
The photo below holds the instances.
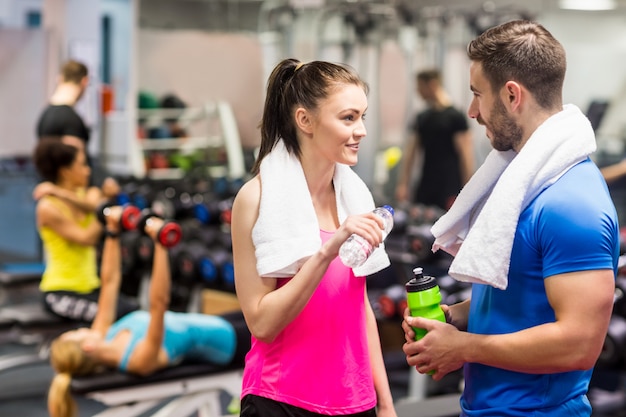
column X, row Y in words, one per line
column 464, row 145
column 408, row 159
column 582, row 302
column 614, row 172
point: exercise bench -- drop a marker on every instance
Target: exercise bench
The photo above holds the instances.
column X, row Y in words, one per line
column 177, row 391
column 19, row 282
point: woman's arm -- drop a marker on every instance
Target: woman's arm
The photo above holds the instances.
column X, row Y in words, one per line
column 385, row 406
column 87, row 203
column 110, row 274
column 49, row 215
column 269, row 310
column 146, row 358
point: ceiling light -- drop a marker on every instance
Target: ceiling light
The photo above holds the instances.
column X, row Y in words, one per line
column 587, row 4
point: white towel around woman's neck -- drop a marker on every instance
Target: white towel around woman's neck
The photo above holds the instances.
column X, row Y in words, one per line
column 287, row 231
column 480, row 226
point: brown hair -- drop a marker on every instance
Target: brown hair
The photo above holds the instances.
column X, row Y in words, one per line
column 429, row 75
column 68, row 360
column 293, row 84
column 50, row 155
column 73, row 71
column 525, row 52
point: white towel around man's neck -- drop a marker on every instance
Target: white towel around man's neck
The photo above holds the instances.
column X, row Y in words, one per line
column 287, row 231
column 480, row 226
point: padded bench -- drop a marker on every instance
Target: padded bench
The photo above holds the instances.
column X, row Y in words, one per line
column 20, row 282
column 31, row 323
column 178, row 391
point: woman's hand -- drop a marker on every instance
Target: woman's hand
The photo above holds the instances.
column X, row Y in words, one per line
column 369, row 226
column 43, row 189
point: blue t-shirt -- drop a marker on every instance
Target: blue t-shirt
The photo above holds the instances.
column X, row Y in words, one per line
column 188, row 336
column 571, row 226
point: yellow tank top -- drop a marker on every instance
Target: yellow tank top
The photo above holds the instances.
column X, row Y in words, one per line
column 69, row 266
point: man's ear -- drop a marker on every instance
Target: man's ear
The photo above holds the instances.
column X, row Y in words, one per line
column 512, row 95
column 304, row 121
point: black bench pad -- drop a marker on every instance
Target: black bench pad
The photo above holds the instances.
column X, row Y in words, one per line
column 115, row 379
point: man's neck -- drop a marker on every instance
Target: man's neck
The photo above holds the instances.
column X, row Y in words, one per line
column 66, row 94
column 441, row 101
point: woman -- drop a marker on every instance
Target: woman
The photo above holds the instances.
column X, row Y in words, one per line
column 69, row 232
column 142, row 342
column 315, row 344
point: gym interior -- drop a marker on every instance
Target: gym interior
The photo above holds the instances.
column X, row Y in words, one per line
column 202, row 65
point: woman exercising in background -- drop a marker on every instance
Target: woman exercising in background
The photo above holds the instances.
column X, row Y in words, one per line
column 69, row 231
column 142, row 342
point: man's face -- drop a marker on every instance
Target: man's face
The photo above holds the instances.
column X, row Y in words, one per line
column 488, row 109
column 426, row 90
column 84, row 83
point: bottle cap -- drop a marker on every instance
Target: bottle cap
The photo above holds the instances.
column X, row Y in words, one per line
column 420, row 282
column 389, row 208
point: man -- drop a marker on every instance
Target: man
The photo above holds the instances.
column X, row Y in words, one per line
column 536, row 233
column 59, row 118
column 441, row 134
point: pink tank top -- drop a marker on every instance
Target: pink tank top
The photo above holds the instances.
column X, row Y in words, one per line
column 320, row 361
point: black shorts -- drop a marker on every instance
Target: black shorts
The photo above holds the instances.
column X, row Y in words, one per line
column 83, row 307
column 255, row 406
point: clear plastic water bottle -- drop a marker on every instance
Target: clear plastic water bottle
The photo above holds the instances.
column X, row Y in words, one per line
column 355, row 250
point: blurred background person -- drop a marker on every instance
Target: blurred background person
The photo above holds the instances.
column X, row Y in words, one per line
column 69, row 234
column 440, row 135
column 59, row 118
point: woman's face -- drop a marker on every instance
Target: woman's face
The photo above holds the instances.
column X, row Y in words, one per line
column 338, row 124
column 77, row 174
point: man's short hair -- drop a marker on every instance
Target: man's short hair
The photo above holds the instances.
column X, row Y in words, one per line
column 73, row 71
column 429, row 75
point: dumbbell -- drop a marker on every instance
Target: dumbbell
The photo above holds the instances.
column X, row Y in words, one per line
column 421, row 241
column 392, row 301
column 227, row 270
column 128, row 218
column 194, row 230
column 169, row 233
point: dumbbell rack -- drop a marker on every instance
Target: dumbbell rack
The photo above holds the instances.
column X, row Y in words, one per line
column 212, row 126
column 211, row 129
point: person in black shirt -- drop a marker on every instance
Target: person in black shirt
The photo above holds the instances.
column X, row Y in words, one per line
column 59, row 118
column 61, row 121
column 442, row 134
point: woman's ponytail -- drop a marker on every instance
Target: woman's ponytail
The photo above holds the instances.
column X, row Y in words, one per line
column 60, row 400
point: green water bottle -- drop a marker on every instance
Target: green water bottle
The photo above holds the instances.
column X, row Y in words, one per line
column 423, row 299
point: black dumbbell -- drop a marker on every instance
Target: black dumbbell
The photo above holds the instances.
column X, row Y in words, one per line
column 128, row 219
column 168, row 235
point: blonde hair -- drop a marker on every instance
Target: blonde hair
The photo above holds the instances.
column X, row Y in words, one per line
column 68, row 360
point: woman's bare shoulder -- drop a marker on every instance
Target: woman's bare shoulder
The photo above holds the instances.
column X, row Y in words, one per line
column 249, row 195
